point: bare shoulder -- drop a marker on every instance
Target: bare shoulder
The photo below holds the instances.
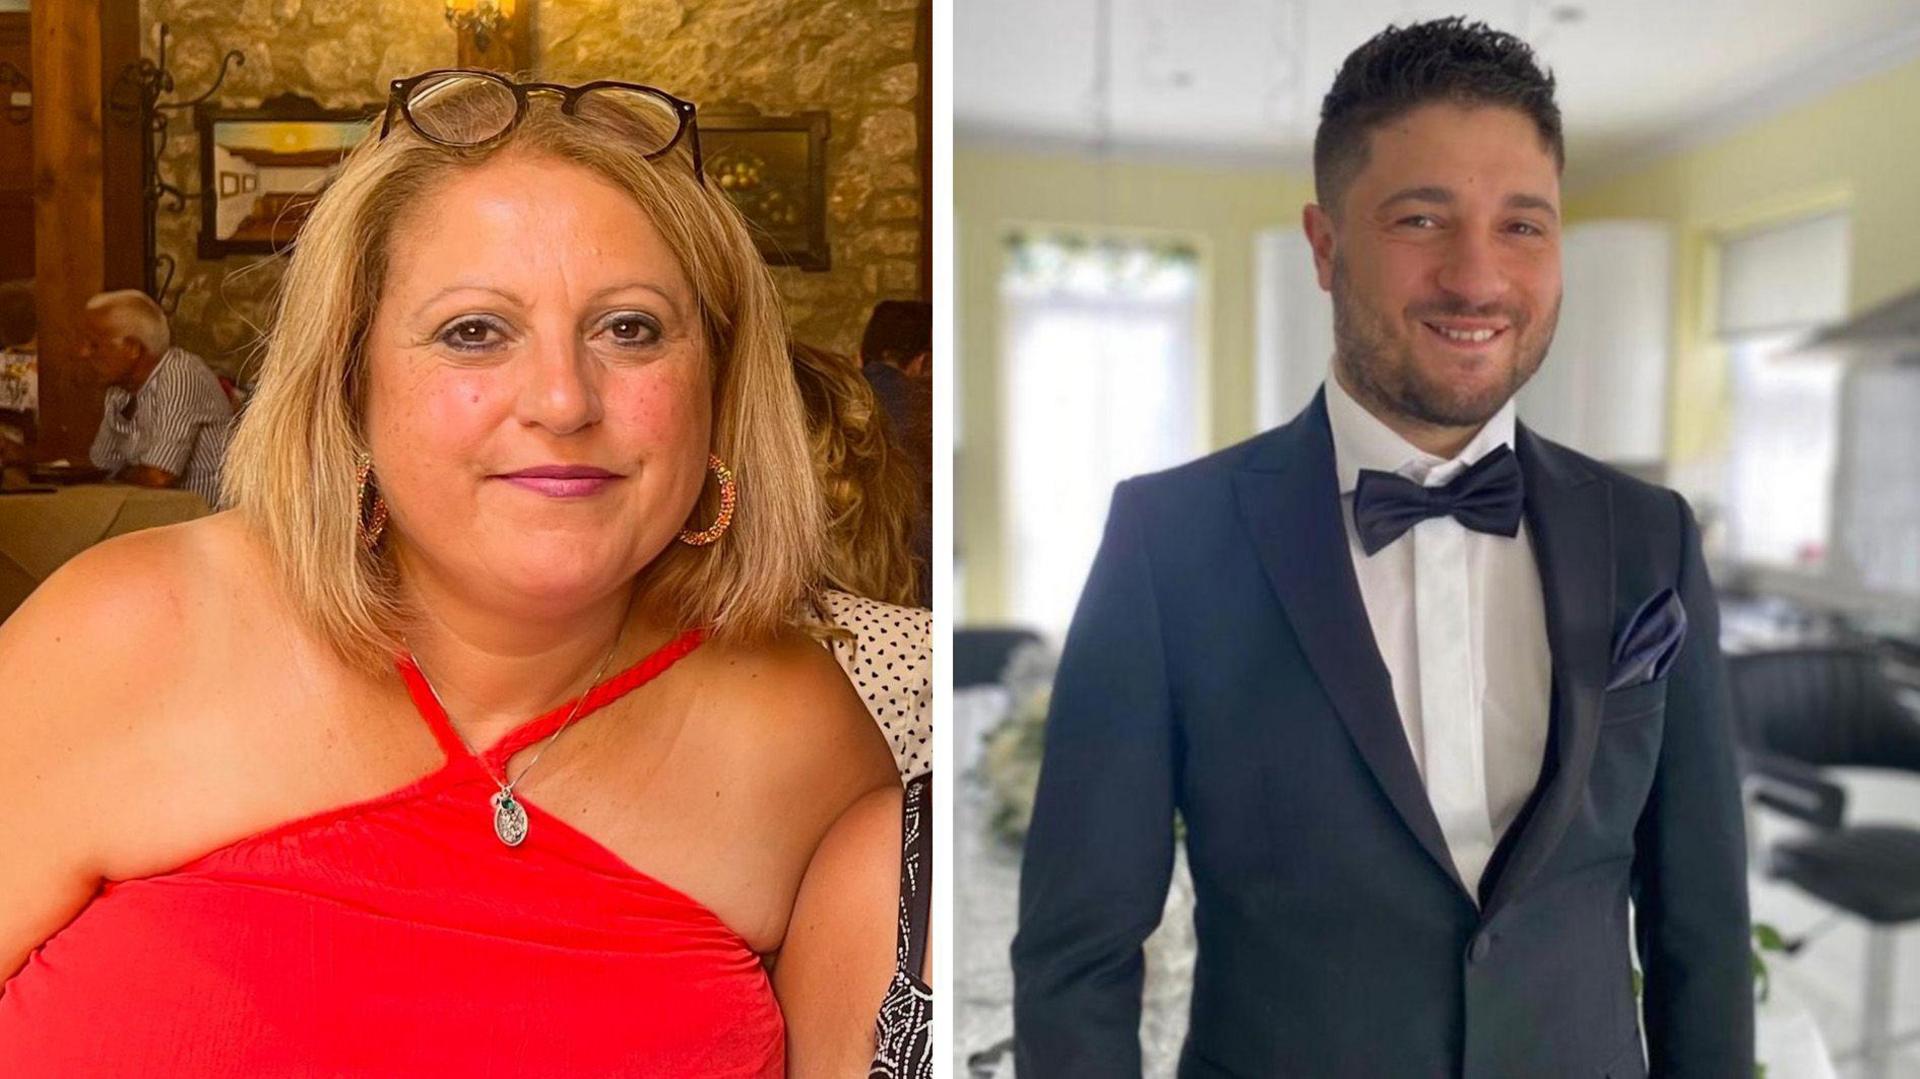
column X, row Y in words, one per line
column 787, row 701
column 131, row 606
column 129, row 670
column 116, row 638
column 85, row 664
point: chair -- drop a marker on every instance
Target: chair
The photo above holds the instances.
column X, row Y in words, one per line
column 1799, row 711
column 980, row 653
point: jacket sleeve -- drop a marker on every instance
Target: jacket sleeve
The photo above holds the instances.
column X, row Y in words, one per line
column 1689, row 871
column 1100, row 850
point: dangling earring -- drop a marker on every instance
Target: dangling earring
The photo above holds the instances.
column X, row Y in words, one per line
column 370, row 510
column 724, row 477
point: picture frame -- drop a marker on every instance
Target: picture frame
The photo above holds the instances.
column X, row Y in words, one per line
column 774, row 168
column 263, row 168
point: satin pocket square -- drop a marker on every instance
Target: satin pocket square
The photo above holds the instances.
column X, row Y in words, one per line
column 1647, row 647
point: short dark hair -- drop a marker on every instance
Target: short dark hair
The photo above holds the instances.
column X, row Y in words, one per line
column 897, row 331
column 1404, row 67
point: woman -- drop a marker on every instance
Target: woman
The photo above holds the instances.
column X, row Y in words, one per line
column 872, row 490
column 884, row 646
column 524, row 427
column 872, row 574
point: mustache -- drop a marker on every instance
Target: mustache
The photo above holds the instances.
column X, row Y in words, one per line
column 1457, row 308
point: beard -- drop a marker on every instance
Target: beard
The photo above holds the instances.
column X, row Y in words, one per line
column 1380, row 368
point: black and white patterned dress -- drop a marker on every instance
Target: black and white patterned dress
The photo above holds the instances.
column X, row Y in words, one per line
column 890, row 662
column 903, row 1035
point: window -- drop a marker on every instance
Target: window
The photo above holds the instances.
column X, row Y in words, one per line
column 1878, row 500
column 1785, row 440
column 1777, row 285
column 1101, row 381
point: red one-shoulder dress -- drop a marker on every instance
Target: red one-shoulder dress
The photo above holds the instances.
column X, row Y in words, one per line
column 399, row 937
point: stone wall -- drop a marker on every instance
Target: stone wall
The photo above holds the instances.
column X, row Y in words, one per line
column 853, row 58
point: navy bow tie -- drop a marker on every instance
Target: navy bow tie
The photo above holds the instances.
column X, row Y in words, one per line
column 1486, row 498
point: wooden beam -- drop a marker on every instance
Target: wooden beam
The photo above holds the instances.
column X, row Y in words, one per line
column 87, row 200
column 16, row 154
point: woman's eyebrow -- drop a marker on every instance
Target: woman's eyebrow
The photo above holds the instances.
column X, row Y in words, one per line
column 506, row 294
column 667, row 294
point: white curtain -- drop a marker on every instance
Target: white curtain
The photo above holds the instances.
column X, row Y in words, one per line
column 1778, row 285
column 1102, row 381
column 1784, row 446
column 1878, row 513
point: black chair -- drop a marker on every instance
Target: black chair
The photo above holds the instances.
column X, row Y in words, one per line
column 1799, row 711
column 980, row 653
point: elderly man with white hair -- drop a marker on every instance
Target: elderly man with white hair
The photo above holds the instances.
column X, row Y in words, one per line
column 166, row 419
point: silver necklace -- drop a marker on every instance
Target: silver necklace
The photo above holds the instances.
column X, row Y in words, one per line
column 509, row 816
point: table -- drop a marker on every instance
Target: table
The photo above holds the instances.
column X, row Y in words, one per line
column 40, row 531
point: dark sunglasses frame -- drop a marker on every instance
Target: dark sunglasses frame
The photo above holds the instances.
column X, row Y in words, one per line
column 401, row 91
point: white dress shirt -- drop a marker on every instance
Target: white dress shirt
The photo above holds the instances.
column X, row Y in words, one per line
column 1459, row 619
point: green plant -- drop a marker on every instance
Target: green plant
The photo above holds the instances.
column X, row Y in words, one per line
column 1766, row 938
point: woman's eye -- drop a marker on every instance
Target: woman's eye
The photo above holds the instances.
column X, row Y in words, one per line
column 632, row 329
column 470, row 335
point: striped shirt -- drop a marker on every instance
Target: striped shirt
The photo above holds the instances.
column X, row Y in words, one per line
column 180, row 422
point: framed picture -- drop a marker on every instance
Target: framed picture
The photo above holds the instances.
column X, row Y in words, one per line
column 263, row 168
column 774, row 168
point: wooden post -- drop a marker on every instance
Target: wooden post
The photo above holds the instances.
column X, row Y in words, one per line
column 87, row 200
column 16, row 150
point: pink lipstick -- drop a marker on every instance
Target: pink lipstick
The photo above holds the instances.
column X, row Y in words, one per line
column 562, row 481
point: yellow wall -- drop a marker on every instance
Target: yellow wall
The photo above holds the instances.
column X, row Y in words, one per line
column 1857, row 147
column 993, row 191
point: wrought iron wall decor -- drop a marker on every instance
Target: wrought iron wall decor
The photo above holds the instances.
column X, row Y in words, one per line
column 135, row 100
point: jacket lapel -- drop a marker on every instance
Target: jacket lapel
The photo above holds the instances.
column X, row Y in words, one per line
column 1290, row 499
column 1569, row 515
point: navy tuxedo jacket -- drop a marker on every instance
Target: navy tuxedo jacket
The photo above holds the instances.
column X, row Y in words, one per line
column 1221, row 665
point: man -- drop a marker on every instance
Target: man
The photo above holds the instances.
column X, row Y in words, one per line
column 165, row 420
column 1433, row 696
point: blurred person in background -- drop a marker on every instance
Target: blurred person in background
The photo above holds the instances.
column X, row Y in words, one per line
column 164, row 420
column 19, row 327
column 873, row 490
column 873, row 575
column 896, row 357
column 1433, row 696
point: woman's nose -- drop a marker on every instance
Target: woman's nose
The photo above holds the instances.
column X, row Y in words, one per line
column 560, row 386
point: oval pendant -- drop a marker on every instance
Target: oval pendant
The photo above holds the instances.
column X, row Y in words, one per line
column 509, row 819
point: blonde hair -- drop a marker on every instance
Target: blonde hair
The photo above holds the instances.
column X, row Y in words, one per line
column 291, row 466
column 872, row 493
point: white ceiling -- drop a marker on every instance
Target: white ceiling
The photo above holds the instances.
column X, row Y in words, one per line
column 1240, row 81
